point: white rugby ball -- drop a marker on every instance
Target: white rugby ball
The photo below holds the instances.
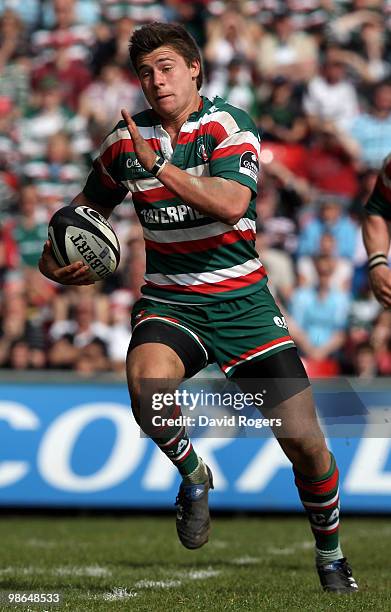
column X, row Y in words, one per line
column 82, row 234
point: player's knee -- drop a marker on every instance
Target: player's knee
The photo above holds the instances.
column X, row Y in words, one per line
column 148, row 377
column 305, row 451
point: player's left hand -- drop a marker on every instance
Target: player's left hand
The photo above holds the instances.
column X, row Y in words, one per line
column 145, row 155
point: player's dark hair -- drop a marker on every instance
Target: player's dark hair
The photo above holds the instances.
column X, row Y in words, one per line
column 154, row 35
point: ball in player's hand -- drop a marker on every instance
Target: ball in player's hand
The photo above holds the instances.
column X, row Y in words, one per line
column 82, row 234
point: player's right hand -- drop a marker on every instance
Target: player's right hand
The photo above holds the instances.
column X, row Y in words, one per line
column 380, row 278
column 76, row 273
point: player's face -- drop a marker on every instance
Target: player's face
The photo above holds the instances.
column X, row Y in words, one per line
column 168, row 83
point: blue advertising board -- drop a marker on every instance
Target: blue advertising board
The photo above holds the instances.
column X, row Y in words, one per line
column 77, row 445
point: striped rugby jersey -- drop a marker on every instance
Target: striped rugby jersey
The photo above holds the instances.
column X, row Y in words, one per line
column 190, row 258
column 379, row 202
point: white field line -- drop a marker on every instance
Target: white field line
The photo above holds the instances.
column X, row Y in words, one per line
column 122, row 593
column 26, row 571
column 94, row 571
column 201, row 574
column 291, row 550
column 160, row 584
column 246, row 560
column 119, row 593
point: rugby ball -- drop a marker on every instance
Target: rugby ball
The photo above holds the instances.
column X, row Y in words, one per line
column 82, row 234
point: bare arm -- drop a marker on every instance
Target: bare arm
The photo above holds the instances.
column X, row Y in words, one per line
column 335, row 343
column 376, row 235
column 216, row 197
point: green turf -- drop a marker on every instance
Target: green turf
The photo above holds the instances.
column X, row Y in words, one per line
column 250, row 564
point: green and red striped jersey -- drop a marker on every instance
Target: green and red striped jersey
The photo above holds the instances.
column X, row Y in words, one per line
column 379, row 202
column 190, row 257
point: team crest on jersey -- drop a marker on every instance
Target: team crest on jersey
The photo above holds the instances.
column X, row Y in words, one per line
column 249, row 164
column 201, row 150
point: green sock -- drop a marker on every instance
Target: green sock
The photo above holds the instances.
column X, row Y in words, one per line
column 198, row 476
column 176, row 445
column 320, row 498
column 322, row 557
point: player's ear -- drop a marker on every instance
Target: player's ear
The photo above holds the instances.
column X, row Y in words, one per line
column 195, row 69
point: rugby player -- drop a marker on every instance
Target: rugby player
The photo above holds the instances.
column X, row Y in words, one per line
column 192, row 167
column 376, row 234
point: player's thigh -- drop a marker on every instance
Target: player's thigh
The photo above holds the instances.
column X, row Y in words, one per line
column 286, row 391
column 173, row 332
column 289, row 405
column 164, row 348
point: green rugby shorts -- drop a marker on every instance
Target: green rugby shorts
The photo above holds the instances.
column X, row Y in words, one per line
column 228, row 333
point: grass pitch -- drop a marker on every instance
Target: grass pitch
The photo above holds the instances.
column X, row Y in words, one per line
column 130, row 563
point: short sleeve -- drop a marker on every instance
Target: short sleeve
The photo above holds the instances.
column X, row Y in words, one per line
column 236, row 155
column 103, row 184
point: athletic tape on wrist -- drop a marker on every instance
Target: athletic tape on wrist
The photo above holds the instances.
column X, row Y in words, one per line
column 374, row 256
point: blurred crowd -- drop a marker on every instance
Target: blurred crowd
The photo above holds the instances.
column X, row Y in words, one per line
column 315, row 75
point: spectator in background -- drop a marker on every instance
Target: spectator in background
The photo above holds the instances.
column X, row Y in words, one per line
column 364, row 362
column 364, row 33
column 111, row 45
column 28, row 229
column 57, row 176
column 86, row 12
column 237, row 91
column 62, row 353
column 19, row 355
column 81, row 325
column 274, row 218
column 331, row 96
column 72, row 75
column 279, row 267
column 380, row 339
column 27, row 10
column 101, row 102
column 369, row 64
column 10, row 156
column 13, row 322
column 22, row 335
column 14, row 65
column 284, row 52
column 190, row 14
column 49, row 117
column 372, row 129
column 228, row 37
column 65, row 32
column 330, row 219
column 341, row 276
column 331, row 162
column 280, row 116
column 143, row 11
column 319, row 315
column 92, row 359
